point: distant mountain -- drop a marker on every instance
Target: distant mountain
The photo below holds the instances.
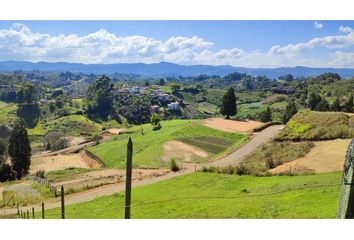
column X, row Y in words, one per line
column 164, row 69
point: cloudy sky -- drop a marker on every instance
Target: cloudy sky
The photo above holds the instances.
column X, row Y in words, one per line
column 236, row 43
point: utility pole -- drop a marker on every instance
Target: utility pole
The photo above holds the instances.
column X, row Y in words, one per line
column 128, row 176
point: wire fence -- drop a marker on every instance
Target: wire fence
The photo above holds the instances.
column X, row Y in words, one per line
column 36, row 212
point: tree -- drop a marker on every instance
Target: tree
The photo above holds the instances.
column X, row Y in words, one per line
column 175, row 88
column 100, row 97
column 349, row 104
column 228, row 107
column 147, row 83
column 290, row 111
column 314, row 99
column 266, row 116
column 322, row 106
column 289, row 78
column 335, row 107
column 247, row 84
column 20, row 149
column 162, row 82
column 155, row 121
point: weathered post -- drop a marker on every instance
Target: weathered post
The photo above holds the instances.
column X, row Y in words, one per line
column 18, row 210
column 33, row 213
column 62, row 203
column 21, row 214
column 346, row 198
column 27, row 214
column 128, row 176
column 42, row 210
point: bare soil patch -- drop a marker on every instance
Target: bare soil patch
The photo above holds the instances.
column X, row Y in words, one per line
column 182, row 152
column 63, row 161
column 231, row 125
column 324, row 157
column 94, row 179
column 74, row 141
column 109, row 133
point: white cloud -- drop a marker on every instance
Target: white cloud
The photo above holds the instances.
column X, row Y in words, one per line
column 20, row 43
column 318, row 25
column 345, row 29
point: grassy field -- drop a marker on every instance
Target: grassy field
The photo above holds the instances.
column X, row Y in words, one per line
column 7, row 112
column 148, row 147
column 275, row 153
column 311, row 125
column 65, row 174
column 210, row 195
column 72, row 125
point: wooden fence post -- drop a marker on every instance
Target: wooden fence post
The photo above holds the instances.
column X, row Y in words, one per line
column 18, row 210
column 128, row 176
column 27, row 214
column 21, row 214
column 42, row 210
column 33, row 213
column 62, row 203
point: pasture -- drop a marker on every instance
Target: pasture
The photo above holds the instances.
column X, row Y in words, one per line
column 148, row 144
column 210, row 195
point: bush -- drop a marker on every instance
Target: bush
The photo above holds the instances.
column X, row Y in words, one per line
column 55, row 141
column 40, row 173
column 6, row 173
column 242, row 170
column 174, row 166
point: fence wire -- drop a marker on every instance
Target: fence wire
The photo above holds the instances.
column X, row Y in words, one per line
column 96, row 212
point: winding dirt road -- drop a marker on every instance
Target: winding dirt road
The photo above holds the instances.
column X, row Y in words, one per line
column 241, row 153
column 233, row 158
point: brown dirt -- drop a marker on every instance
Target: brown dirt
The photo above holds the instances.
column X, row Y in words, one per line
column 109, row 133
column 181, row 151
column 325, row 156
column 231, row 125
column 62, row 161
column 74, row 141
column 107, row 176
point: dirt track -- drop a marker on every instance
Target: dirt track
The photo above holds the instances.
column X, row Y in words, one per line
column 106, row 190
column 257, row 140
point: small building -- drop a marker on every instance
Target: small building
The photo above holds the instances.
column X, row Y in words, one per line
column 173, row 106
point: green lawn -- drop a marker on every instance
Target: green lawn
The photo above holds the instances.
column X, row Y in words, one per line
column 148, row 147
column 210, row 195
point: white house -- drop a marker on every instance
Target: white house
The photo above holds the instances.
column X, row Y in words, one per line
column 174, row 106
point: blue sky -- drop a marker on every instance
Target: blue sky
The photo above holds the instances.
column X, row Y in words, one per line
column 237, row 43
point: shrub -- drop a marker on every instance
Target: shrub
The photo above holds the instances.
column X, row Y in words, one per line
column 174, row 165
column 242, row 170
column 6, row 173
column 40, row 173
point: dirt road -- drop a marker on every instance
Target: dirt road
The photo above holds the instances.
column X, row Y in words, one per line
column 257, row 140
column 106, row 190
